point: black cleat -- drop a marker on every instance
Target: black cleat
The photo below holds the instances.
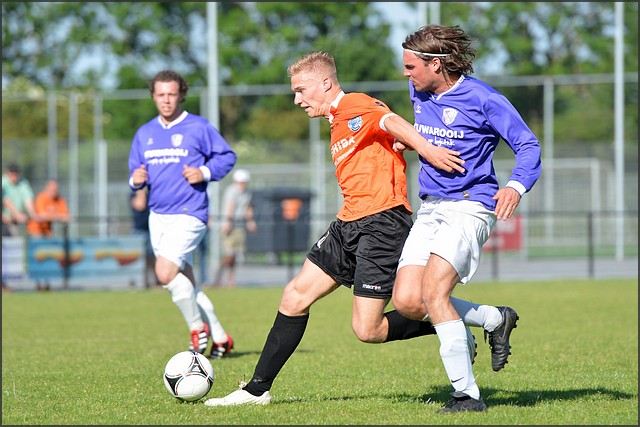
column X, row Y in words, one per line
column 499, row 339
column 220, row 350
column 462, row 402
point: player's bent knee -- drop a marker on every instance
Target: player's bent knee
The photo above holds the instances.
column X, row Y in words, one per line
column 409, row 308
column 293, row 303
column 163, row 277
column 367, row 337
column 368, row 334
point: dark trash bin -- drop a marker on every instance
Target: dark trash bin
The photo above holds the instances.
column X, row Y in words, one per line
column 283, row 219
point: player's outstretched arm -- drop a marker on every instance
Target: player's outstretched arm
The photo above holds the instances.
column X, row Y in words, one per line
column 439, row 157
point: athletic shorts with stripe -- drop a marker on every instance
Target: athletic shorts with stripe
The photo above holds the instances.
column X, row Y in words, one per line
column 364, row 253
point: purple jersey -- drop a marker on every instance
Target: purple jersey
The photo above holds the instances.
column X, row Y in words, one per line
column 165, row 149
column 471, row 117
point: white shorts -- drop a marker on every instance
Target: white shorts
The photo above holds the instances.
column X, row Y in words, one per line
column 454, row 230
column 176, row 237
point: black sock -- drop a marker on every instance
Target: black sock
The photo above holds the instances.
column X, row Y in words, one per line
column 284, row 337
column 402, row 328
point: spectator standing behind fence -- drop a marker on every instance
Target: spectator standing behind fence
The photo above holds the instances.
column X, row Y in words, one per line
column 176, row 155
column 237, row 219
column 50, row 206
column 459, row 210
column 140, row 226
column 17, row 201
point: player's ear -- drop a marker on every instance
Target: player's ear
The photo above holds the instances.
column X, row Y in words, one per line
column 327, row 84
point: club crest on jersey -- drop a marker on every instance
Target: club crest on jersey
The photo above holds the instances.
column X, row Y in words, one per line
column 176, row 139
column 449, row 115
column 355, row 124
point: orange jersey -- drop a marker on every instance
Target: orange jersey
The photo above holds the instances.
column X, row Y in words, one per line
column 370, row 174
column 45, row 204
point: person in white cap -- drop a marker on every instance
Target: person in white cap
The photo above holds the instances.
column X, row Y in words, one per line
column 237, row 212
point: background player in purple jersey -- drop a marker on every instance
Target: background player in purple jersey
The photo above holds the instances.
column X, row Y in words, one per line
column 458, row 210
column 176, row 155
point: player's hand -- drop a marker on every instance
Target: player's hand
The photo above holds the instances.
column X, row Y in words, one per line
column 507, row 202
column 139, row 176
column 399, row 147
column 443, row 159
column 226, row 228
column 193, row 175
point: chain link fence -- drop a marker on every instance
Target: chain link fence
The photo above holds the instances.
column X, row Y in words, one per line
column 571, row 212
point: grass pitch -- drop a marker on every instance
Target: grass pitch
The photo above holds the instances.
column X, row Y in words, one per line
column 97, row 358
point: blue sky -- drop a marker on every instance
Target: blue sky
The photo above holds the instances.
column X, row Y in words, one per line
column 403, row 19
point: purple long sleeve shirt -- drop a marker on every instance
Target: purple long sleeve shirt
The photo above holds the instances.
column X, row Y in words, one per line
column 164, row 150
column 472, row 117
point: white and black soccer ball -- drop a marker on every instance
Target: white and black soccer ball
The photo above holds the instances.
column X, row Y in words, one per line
column 188, row 376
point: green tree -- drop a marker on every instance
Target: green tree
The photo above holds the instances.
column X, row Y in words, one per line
column 132, row 41
column 259, row 40
column 106, row 45
column 555, row 38
column 81, row 45
column 538, row 38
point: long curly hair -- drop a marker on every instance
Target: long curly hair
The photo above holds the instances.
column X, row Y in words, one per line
column 450, row 41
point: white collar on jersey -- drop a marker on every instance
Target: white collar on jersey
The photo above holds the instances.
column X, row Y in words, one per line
column 455, row 85
column 178, row 120
column 334, row 104
column 336, row 101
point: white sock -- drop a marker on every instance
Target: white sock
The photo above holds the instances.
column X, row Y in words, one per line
column 485, row 316
column 454, row 353
column 183, row 295
column 208, row 314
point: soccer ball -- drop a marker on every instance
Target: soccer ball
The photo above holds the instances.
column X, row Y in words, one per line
column 188, row 376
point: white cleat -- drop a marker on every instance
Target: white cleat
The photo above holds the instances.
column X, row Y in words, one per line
column 240, row 397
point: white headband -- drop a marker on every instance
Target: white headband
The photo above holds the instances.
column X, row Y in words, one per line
column 425, row 53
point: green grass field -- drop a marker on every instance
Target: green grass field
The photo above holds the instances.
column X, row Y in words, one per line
column 98, row 357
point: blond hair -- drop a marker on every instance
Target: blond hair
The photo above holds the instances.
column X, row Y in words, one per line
column 316, row 62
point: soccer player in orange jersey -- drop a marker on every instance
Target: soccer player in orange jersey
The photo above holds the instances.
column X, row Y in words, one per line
column 361, row 248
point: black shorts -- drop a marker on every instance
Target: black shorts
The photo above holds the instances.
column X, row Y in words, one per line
column 364, row 253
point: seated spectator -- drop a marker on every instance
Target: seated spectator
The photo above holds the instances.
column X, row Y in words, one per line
column 17, row 201
column 49, row 207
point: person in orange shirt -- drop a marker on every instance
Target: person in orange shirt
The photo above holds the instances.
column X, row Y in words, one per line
column 361, row 248
column 50, row 207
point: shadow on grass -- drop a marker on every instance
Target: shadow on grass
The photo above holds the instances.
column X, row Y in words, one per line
column 237, row 354
column 533, row 397
column 442, row 394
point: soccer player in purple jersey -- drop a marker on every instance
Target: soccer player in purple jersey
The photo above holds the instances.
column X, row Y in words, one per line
column 176, row 155
column 459, row 210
